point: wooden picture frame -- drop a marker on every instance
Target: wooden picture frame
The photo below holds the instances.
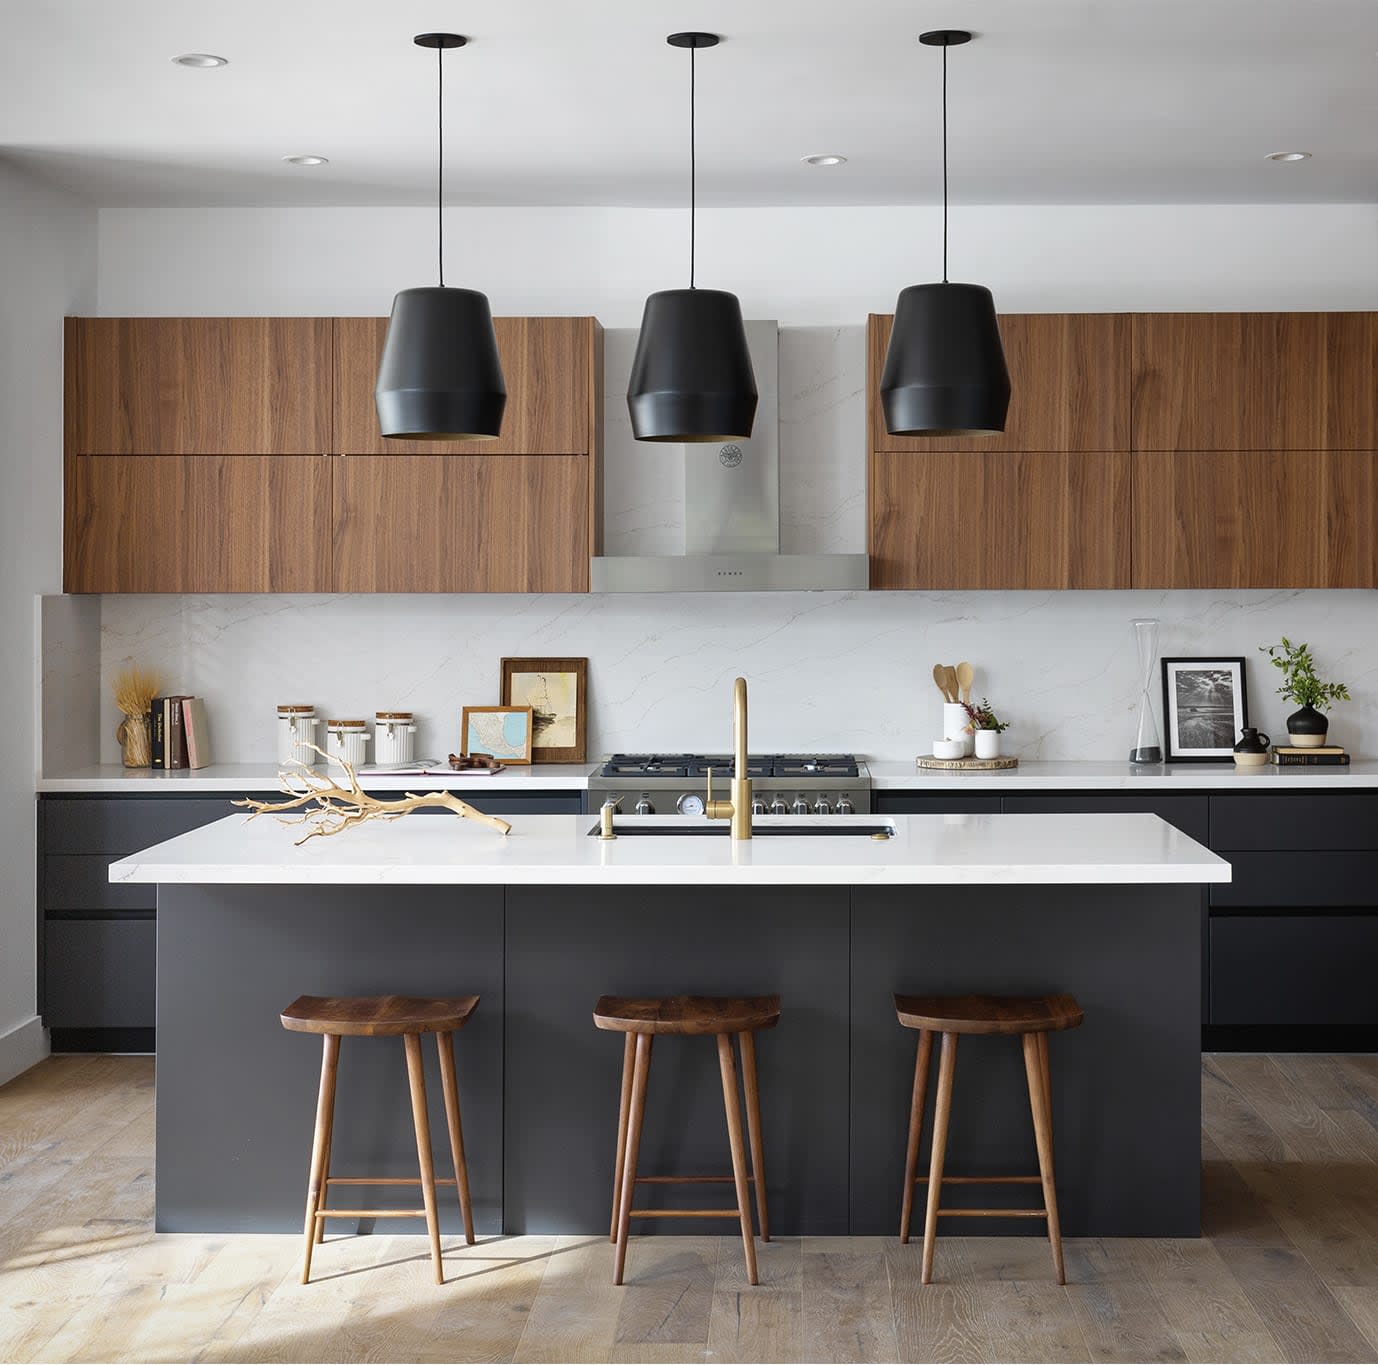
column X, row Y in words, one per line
column 507, row 748
column 550, row 687
column 1205, row 706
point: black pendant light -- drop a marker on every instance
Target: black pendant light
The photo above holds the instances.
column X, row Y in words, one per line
column 945, row 370
column 440, row 378
column 692, row 378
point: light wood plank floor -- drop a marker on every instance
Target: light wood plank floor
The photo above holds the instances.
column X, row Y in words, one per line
column 1288, row 1269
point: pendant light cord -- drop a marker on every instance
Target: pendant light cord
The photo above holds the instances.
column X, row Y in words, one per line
column 693, row 164
column 440, row 162
column 944, row 163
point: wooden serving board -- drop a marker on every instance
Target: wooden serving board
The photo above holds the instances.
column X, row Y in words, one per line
column 968, row 765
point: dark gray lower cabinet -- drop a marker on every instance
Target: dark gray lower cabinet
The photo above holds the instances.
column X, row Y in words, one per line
column 97, row 942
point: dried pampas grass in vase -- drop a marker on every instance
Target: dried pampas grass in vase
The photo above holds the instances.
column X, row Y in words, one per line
column 134, row 692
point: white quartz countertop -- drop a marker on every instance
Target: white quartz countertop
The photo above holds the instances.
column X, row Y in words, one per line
column 886, row 775
column 558, row 849
column 263, row 777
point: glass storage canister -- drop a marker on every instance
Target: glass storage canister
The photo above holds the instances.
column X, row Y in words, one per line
column 347, row 740
column 394, row 739
column 297, row 727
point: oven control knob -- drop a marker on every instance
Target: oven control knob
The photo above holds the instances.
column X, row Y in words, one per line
column 758, row 806
column 823, row 807
column 845, row 807
column 644, row 806
column 801, row 806
column 691, row 803
column 778, row 807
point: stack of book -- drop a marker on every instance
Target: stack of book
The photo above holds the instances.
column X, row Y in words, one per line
column 1287, row 756
column 177, row 725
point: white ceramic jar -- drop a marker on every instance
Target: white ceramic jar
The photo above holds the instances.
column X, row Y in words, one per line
column 394, row 739
column 297, row 727
column 955, row 722
column 987, row 744
column 347, row 741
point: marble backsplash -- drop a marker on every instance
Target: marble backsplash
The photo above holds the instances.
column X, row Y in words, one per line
column 828, row 671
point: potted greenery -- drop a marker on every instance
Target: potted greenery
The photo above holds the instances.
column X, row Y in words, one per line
column 985, row 727
column 1301, row 684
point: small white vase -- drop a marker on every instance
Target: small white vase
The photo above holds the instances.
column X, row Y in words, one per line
column 955, row 722
column 987, row 744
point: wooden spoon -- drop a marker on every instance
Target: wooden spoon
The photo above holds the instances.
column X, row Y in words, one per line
column 940, row 677
column 950, row 682
column 966, row 675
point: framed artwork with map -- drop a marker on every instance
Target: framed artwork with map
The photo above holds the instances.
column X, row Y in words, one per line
column 502, row 731
column 555, row 690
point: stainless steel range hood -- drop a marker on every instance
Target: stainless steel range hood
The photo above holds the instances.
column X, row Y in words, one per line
column 731, row 514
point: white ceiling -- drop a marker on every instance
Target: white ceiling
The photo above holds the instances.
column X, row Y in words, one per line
column 1058, row 101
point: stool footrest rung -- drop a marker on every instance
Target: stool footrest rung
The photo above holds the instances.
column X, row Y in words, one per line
column 984, row 1180
column 689, row 1179
column 992, row 1213
column 381, row 1180
column 686, row 1213
column 370, row 1213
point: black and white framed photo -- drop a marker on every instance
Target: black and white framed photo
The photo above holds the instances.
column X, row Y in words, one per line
column 1205, row 706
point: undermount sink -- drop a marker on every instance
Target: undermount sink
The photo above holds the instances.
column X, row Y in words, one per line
column 845, row 829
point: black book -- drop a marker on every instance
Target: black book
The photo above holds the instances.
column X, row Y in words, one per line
column 1316, row 760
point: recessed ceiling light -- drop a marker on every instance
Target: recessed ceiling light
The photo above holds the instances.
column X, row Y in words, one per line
column 201, row 59
column 1289, row 156
column 823, row 159
column 307, row 160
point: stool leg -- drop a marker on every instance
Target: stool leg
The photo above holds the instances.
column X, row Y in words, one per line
column 640, row 1072
column 445, row 1045
column 416, row 1078
column 734, row 1139
column 1035, row 1058
column 624, row 1108
column 911, row 1154
column 1047, row 1078
column 325, row 1181
column 746, row 1044
column 947, row 1065
column 325, row 1109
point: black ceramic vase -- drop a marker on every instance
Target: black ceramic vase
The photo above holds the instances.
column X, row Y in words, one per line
column 1307, row 728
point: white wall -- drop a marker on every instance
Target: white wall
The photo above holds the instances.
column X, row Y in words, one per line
column 47, row 269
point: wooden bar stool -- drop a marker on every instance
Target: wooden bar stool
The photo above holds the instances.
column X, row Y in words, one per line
column 385, row 1016
column 1032, row 1019
column 689, row 1016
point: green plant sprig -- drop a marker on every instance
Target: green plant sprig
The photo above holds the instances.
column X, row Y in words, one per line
column 1300, row 681
column 983, row 717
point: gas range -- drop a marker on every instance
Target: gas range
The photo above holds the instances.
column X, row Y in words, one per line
column 782, row 784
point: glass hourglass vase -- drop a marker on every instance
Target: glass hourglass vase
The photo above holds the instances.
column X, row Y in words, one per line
column 1147, row 746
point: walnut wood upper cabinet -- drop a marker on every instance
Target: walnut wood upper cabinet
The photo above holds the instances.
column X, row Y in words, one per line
column 461, row 523
column 551, row 369
column 1255, row 381
column 1069, row 385
column 199, row 386
column 1255, row 519
column 945, row 519
column 197, row 523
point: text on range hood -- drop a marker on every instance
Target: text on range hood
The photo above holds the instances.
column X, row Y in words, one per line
column 732, row 514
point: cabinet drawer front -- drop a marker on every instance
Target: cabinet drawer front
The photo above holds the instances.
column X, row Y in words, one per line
column 1294, row 969
column 1187, row 813
column 120, row 825
column 1267, row 822
column 1299, row 879
column 99, row 973
column 914, row 803
column 80, row 882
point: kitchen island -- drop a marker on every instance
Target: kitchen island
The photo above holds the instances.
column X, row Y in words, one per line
column 542, row 921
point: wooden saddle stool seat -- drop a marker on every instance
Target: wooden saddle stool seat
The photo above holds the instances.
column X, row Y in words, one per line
column 385, row 1016
column 1031, row 1018
column 641, row 1020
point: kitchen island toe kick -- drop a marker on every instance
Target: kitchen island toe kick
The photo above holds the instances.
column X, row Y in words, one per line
column 1108, row 908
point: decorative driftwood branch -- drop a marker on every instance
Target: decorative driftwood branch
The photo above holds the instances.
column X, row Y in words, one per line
column 328, row 808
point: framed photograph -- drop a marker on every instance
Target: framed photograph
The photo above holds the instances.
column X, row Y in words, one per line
column 501, row 731
column 1204, row 708
column 555, row 690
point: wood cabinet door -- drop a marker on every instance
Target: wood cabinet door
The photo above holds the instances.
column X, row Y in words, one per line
column 199, row 386
column 548, row 366
column 1069, row 385
column 999, row 519
column 198, row 523
column 1255, row 519
column 1255, row 381
column 461, row 523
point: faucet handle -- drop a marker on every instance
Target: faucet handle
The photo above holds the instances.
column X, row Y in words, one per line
column 715, row 810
